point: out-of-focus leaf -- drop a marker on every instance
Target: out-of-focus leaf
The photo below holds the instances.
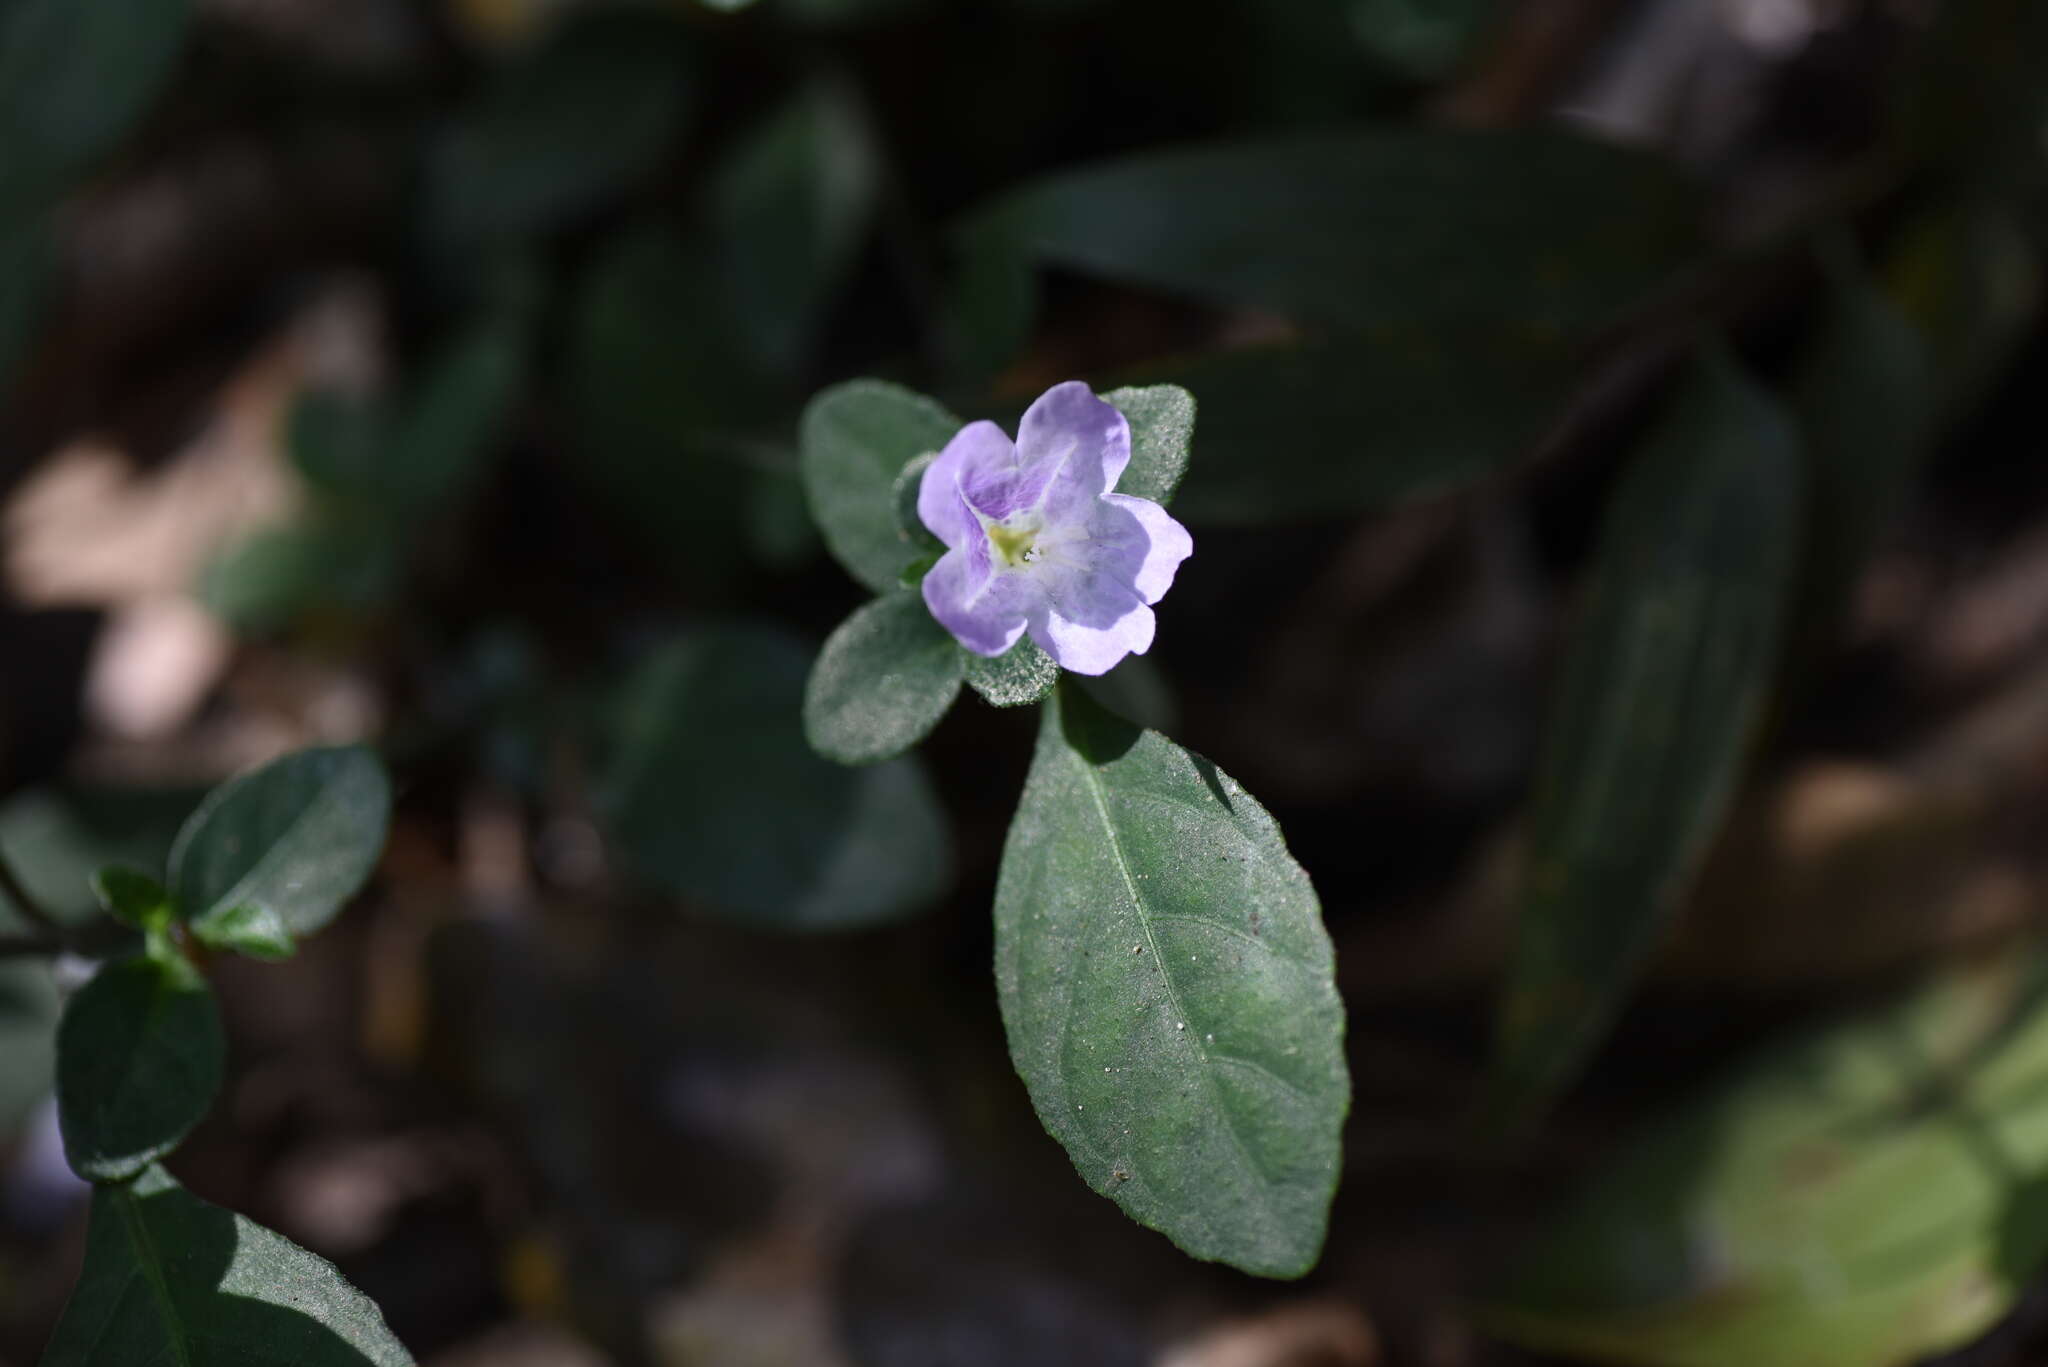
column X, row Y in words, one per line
column 1422, row 39
column 1020, row 676
column 57, row 838
column 789, row 210
column 1865, row 404
column 257, row 931
column 779, row 527
column 714, row 795
column 1662, row 683
column 882, row 682
column 1415, row 227
column 1162, row 419
column 169, row 1278
column 280, row 575
column 139, row 1057
column 296, row 838
column 25, row 270
column 855, row 438
column 1326, row 429
column 28, row 1023
column 1137, row 690
column 444, row 432
column 1867, row 1195
column 73, row 80
column 1169, row 993
column 563, row 128
column 1965, row 274
column 987, row 312
column 130, row 895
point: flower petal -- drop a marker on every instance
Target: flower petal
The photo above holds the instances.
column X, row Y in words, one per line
column 1071, row 447
column 984, row 610
column 1088, row 649
column 979, row 446
column 1167, row 544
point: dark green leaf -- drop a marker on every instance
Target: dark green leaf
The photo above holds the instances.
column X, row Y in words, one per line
column 25, row 279
column 296, row 838
column 856, row 438
column 1021, row 675
column 255, row 931
column 909, row 480
column 715, row 796
column 170, row 1279
column 130, row 895
column 789, row 210
column 1162, row 418
column 882, row 682
column 335, row 440
column 1868, row 1194
column 563, row 129
column 73, row 80
column 278, row 577
column 28, row 1022
column 139, row 1057
column 1423, row 228
column 56, row 839
column 1663, row 681
column 440, row 441
column 1169, row 993
column 987, row 312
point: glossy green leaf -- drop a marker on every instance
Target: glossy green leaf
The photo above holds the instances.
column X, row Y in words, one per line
column 258, row 932
column 789, row 209
column 1327, row 429
column 563, row 129
column 170, row 1279
column 296, row 838
column 1663, row 680
column 28, row 1024
column 1162, row 419
column 1022, row 675
column 139, row 1058
column 855, row 438
column 1420, row 227
column 131, row 895
column 1868, row 1194
column 714, row 795
column 1169, row 993
column 882, row 682
column 73, row 80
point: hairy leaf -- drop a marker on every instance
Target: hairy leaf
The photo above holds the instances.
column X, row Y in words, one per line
column 1019, row 676
column 882, row 682
column 856, row 438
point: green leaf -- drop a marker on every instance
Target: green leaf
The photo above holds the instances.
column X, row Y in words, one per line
column 909, row 481
column 442, row 437
column 855, row 438
column 789, row 210
column 1865, row 1194
column 1327, row 429
column 339, row 562
column 296, row 838
column 28, row 1021
column 1662, row 684
column 715, row 796
column 73, row 80
column 1135, row 689
column 563, row 129
column 132, row 896
column 882, row 682
column 1162, row 418
column 1022, row 675
column 26, row 272
column 1169, row 993
column 171, row 1279
column 139, row 1058
column 1425, row 228
column 1424, row 40
column 255, row 931
column 57, row 838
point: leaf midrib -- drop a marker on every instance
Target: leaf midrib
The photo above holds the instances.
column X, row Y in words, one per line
column 148, row 1260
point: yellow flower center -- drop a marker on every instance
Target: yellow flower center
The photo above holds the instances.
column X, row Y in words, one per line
column 1014, row 546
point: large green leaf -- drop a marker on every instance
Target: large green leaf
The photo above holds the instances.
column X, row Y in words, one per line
column 1414, row 226
column 1169, row 992
column 139, row 1057
column 882, row 682
column 28, row 1021
column 562, row 129
column 73, row 80
column 170, row 1279
column 1662, row 684
column 1866, row 1195
column 855, row 438
column 714, row 794
column 296, row 838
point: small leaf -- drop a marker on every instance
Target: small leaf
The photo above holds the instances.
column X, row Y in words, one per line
column 856, row 438
column 131, row 895
column 171, row 1279
column 1861, row 1195
column 28, row 1022
column 1018, row 677
column 255, row 931
column 1662, row 685
column 1162, row 418
column 139, row 1058
column 296, row 838
column 714, row 795
column 1169, row 993
column 882, row 682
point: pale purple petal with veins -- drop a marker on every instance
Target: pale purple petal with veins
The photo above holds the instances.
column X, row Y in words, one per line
column 1038, row 540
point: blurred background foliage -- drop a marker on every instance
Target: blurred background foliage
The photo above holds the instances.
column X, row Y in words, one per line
column 1622, row 568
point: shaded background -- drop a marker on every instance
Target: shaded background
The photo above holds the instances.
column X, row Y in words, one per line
column 431, row 374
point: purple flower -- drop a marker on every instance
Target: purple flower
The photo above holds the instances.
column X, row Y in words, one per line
column 1036, row 542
